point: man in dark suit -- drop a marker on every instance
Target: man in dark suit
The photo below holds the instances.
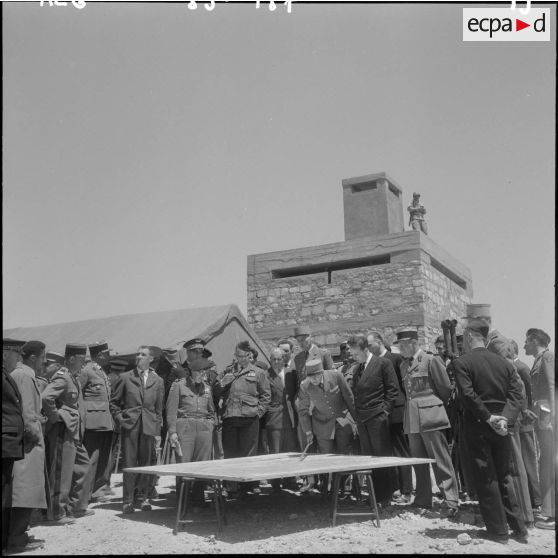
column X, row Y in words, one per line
column 137, row 406
column 491, row 394
column 12, row 429
column 375, row 388
column 399, row 442
column 542, row 384
column 291, row 380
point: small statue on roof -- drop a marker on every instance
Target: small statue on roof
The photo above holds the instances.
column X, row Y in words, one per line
column 416, row 215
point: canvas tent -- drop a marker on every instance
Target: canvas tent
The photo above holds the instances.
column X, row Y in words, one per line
column 220, row 326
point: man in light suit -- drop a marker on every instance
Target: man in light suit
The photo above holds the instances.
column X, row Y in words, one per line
column 427, row 387
column 376, row 388
column 326, row 407
column 137, row 405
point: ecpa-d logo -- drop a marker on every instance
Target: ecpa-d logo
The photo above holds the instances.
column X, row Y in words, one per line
column 504, row 24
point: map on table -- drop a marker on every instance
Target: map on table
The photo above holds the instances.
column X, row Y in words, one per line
column 278, row 465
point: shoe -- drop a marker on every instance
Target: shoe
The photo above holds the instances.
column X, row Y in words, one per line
column 32, row 545
column 520, row 536
column 256, row 490
column 401, row 499
column 502, row 539
column 451, row 513
column 81, row 513
column 307, row 488
column 128, row 508
column 146, row 506
column 548, row 523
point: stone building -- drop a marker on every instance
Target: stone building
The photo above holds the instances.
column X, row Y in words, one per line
column 380, row 277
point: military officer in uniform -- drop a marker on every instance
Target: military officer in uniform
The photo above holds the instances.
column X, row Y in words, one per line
column 427, row 387
column 543, row 394
column 69, row 464
column 244, row 395
column 491, row 393
column 191, row 419
column 333, row 413
column 99, row 426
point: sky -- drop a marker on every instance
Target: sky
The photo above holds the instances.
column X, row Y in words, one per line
column 148, row 149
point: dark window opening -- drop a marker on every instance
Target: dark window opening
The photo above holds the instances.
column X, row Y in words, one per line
column 364, row 186
column 448, row 273
column 393, row 190
column 329, row 268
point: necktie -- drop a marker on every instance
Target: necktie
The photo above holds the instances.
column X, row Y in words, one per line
column 144, row 377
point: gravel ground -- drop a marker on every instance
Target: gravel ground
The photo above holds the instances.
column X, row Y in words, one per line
column 269, row 523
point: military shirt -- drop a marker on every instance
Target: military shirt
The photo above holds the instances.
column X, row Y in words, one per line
column 189, row 400
column 96, row 397
column 249, row 395
column 60, row 401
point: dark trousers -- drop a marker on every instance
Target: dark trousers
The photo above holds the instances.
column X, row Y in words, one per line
column 98, row 444
column 490, row 456
column 240, row 436
column 375, row 440
column 546, row 471
column 7, row 468
column 18, row 524
column 82, row 479
column 136, row 452
column 400, row 446
column 529, row 453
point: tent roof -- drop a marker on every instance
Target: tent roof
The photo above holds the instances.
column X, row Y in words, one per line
column 168, row 329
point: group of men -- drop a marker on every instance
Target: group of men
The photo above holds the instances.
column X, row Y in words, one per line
column 62, row 416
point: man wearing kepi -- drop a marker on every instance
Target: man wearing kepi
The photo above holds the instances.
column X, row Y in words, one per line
column 137, row 406
column 98, row 420
column 542, row 384
column 427, row 387
column 28, row 485
column 69, row 465
column 491, row 394
column 333, row 412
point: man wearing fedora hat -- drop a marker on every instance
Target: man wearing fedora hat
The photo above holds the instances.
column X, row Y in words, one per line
column 99, row 426
column 427, row 387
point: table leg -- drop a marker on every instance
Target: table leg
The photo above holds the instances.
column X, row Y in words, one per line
column 183, row 489
column 372, row 498
column 219, row 504
column 335, row 498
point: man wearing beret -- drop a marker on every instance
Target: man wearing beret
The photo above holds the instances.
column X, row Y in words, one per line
column 427, row 388
column 137, row 406
column 12, row 427
column 244, row 395
column 69, row 465
column 542, row 385
column 99, row 425
column 491, row 393
column 28, row 485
